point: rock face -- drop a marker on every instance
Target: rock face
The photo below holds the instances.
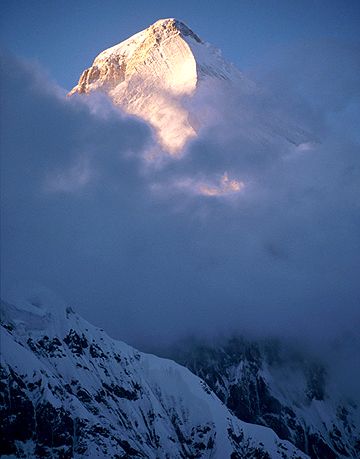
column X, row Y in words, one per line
column 156, row 73
column 266, row 384
column 70, row 391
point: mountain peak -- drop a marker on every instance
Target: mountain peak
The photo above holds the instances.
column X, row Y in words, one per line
column 156, row 74
column 172, row 24
column 148, row 74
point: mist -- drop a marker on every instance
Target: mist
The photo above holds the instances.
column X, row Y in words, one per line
column 135, row 248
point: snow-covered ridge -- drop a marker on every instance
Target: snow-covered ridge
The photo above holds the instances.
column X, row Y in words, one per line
column 71, row 391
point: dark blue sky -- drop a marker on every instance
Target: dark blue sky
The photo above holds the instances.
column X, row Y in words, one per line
column 65, row 36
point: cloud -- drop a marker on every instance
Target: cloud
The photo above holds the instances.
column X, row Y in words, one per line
column 220, row 186
column 245, row 232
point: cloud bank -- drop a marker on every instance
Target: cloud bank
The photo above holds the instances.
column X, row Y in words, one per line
column 271, row 247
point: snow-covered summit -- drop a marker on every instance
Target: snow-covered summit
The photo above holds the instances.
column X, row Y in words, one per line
column 150, row 73
column 178, row 83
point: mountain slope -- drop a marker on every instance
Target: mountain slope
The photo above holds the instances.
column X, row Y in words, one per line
column 70, row 391
column 155, row 75
column 267, row 384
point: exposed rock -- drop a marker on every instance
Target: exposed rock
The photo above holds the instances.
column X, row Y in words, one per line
column 267, row 384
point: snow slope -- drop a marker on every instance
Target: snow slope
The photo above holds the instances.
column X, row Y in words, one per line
column 70, row 391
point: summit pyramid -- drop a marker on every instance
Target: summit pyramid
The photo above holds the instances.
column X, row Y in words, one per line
column 149, row 73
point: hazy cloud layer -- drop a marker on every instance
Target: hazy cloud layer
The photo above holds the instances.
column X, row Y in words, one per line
column 137, row 250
